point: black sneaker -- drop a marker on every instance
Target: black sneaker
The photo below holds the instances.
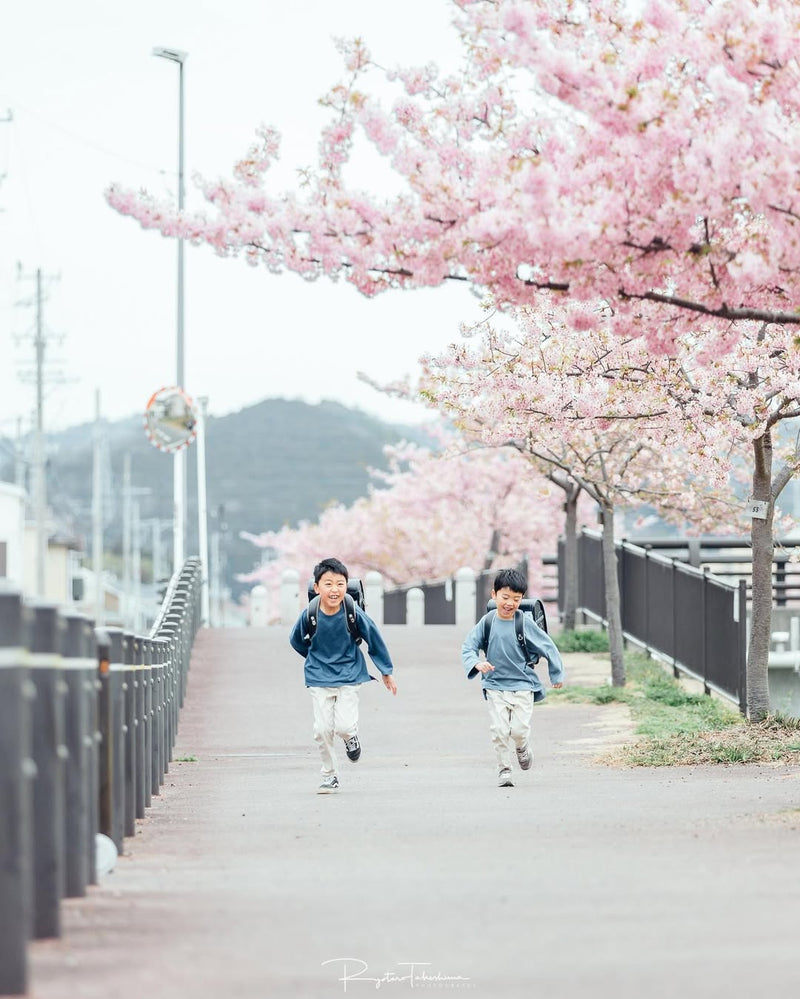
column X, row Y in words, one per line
column 329, row 785
column 352, row 748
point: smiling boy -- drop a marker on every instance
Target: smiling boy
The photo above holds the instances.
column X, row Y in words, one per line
column 510, row 686
column 335, row 667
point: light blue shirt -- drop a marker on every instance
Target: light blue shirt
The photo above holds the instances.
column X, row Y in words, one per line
column 508, row 657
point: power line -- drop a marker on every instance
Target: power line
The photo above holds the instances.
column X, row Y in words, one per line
column 90, row 143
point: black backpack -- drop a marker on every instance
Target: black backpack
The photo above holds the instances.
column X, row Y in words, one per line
column 534, row 607
column 354, row 596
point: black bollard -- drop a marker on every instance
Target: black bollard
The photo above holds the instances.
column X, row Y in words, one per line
column 16, row 826
column 112, row 744
column 49, row 754
column 146, row 770
column 170, row 633
column 129, row 730
column 140, row 730
column 160, row 652
column 78, row 667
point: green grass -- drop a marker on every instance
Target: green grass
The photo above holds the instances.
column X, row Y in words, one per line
column 582, row 640
column 186, row 759
column 674, row 727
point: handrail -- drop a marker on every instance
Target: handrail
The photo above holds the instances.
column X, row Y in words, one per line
column 92, row 714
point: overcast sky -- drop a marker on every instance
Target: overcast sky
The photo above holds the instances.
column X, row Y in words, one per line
column 90, row 105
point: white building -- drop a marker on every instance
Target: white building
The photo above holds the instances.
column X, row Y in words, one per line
column 61, row 566
column 12, row 534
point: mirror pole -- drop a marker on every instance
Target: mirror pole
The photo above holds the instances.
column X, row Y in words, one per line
column 202, row 509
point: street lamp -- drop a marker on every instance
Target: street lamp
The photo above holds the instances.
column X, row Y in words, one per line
column 179, row 468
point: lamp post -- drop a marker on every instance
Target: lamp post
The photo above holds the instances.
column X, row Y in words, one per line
column 179, row 467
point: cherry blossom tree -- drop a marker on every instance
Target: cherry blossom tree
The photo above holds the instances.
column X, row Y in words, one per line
column 594, row 408
column 681, row 425
column 427, row 516
column 642, row 154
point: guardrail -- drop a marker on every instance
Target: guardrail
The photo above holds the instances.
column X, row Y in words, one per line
column 88, row 720
column 680, row 614
column 732, row 557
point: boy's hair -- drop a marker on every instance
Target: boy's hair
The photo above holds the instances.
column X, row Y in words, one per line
column 512, row 579
column 329, row 565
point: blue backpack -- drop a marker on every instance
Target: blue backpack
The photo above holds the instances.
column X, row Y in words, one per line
column 352, row 598
column 532, row 607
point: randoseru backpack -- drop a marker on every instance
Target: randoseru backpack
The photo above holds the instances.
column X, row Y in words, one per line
column 533, row 607
column 353, row 596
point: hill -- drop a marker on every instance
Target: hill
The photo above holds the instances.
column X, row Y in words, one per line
column 271, row 464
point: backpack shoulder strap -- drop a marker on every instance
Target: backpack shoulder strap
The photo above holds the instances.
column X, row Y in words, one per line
column 488, row 621
column 311, row 618
column 351, row 618
column 519, row 628
column 519, row 624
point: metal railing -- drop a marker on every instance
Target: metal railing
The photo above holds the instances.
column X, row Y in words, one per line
column 88, row 719
column 732, row 557
column 678, row 613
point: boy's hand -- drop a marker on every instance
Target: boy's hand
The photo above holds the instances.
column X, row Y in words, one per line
column 558, row 685
column 388, row 682
column 484, row 667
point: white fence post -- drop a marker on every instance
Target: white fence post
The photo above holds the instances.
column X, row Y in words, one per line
column 373, row 595
column 290, row 596
column 258, row 606
column 466, row 591
column 415, row 607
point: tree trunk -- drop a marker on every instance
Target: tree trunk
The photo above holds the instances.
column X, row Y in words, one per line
column 613, row 604
column 761, row 614
column 570, row 559
column 491, row 554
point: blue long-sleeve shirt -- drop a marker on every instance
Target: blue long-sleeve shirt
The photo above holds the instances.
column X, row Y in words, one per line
column 333, row 659
column 508, row 658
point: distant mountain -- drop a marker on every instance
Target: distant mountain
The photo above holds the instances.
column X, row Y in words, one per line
column 275, row 463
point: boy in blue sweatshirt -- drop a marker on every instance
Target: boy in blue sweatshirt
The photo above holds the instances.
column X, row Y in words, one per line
column 510, row 686
column 335, row 667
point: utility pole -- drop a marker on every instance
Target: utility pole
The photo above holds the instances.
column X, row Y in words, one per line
column 202, row 511
column 97, row 516
column 131, row 547
column 19, row 457
column 179, row 459
column 39, row 458
column 127, row 530
column 39, row 484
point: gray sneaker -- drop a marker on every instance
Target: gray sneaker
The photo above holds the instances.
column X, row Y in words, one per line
column 352, row 748
column 329, row 785
column 504, row 780
column 524, row 757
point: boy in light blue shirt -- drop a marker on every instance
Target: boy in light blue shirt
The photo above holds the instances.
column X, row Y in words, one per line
column 510, row 685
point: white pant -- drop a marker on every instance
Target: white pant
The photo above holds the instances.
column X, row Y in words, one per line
column 509, row 722
column 335, row 714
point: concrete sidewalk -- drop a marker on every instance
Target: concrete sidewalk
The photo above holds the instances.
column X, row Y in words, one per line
column 580, row 881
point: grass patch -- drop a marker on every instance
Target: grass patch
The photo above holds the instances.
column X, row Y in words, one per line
column 675, row 727
column 582, row 640
column 186, row 759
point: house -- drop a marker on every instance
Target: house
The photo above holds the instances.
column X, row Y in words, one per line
column 12, row 534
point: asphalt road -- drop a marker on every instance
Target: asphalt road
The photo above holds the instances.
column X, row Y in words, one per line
column 580, row 881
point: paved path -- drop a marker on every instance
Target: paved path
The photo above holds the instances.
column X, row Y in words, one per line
column 581, row 881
